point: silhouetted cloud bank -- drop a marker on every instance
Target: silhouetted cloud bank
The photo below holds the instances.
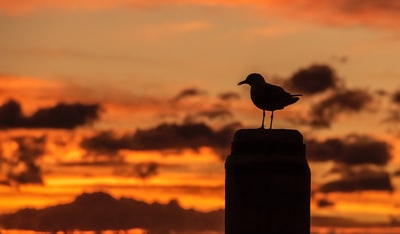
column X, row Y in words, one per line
column 165, row 136
column 359, row 179
column 63, row 116
column 359, row 163
column 351, row 150
column 100, row 211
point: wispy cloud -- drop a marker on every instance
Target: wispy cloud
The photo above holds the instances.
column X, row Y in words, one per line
column 188, row 92
column 371, row 13
column 170, row 29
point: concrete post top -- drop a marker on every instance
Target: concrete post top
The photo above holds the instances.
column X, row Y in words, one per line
column 269, row 136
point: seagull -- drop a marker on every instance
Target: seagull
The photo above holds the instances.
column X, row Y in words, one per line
column 268, row 96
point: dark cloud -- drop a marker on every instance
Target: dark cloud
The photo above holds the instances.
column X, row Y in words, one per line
column 313, row 79
column 189, row 92
column 64, row 116
column 187, row 135
column 11, row 115
column 94, row 163
column 396, row 97
column 30, row 174
column 344, row 101
column 325, row 203
column 99, row 211
column 354, row 6
column 337, row 221
column 143, row 170
column 351, row 150
column 216, row 114
column 165, row 136
column 107, row 142
column 393, row 116
column 359, row 179
column 228, row 96
column 393, row 112
column 23, row 167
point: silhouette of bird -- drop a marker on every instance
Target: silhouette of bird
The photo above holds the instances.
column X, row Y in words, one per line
column 267, row 96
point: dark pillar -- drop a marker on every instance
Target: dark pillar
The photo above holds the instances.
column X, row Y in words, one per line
column 267, row 184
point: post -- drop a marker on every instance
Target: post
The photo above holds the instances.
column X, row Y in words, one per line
column 267, row 184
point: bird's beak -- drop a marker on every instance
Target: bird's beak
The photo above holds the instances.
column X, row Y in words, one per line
column 242, row 82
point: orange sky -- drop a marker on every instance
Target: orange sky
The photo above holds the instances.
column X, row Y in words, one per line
column 132, row 70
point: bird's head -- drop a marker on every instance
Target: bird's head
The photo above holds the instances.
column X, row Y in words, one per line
column 253, row 79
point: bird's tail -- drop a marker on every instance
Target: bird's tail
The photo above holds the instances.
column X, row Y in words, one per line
column 296, row 95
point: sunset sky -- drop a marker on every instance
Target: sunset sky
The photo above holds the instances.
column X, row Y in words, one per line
column 139, row 99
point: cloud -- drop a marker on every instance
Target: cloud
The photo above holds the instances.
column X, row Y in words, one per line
column 393, row 111
column 349, row 13
column 351, row 150
column 189, row 92
column 393, row 116
column 322, row 203
column 216, row 114
column 143, row 170
column 17, row 8
column 227, row 96
column 187, row 135
column 313, row 79
column 343, row 101
column 107, row 142
column 63, row 116
column 337, row 221
column 369, row 13
column 332, row 97
column 99, row 211
column 11, row 115
column 165, row 136
column 22, row 166
column 359, row 179
column 396, row 97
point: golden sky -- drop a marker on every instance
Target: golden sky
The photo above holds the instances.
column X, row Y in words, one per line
column 139, row 99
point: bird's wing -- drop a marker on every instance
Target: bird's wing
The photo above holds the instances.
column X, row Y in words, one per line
column 276, row 91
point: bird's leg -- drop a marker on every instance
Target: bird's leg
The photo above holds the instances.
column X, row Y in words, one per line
column 272, row 117
column 262, row 123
